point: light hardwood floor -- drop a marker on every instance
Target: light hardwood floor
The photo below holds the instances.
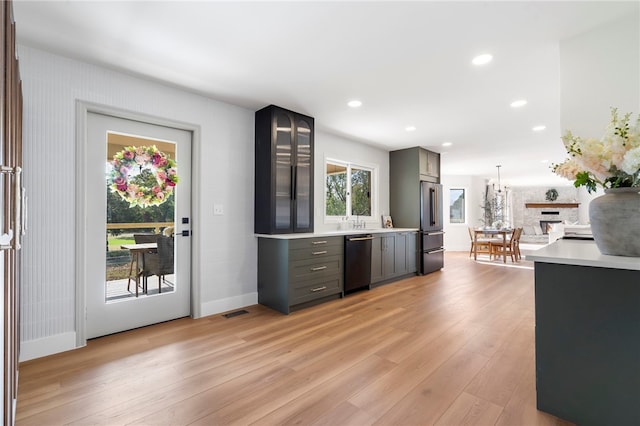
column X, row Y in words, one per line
column 454, row 347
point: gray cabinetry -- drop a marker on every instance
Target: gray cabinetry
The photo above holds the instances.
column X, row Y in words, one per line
column 429, row 165
column 293, row 273
column 407, row 168
column 393, row 255
column 587, row 337
column 283, row 171
column 405, row 253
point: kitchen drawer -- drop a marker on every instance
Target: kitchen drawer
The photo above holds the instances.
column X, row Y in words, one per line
column 314, row 268
column 315, row 242
column 316, row 289
column 318, row 252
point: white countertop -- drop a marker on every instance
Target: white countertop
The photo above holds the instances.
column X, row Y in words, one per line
column 336, row 233
column 581, row 253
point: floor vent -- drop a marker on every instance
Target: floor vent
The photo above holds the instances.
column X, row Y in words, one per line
column 235, row 313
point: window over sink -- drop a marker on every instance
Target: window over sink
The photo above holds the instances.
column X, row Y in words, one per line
column 349, row 189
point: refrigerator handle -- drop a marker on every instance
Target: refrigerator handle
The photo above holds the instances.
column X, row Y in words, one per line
column 432, row 206
column 436, row 218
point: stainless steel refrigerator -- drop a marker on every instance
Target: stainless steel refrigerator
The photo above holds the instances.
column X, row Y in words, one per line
column 431, row 234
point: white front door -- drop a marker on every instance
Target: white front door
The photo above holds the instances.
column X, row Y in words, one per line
column 131, row 199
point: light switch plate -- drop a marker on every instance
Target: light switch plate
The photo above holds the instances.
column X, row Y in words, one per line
column 218, row 209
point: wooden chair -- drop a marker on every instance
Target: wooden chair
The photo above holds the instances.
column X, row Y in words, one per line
column 483, row 244
column 512, row 248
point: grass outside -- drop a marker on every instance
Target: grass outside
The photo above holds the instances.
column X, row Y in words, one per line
column 114, row 243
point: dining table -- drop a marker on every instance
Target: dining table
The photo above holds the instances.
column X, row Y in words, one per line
column 492, row 232
column 137, row 250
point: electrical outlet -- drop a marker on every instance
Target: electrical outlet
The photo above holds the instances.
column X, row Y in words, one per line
column 218, row 209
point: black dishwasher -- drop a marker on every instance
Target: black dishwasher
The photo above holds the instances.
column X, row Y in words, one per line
column 357, row 262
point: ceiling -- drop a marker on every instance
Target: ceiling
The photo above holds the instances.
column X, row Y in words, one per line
column 408, row 62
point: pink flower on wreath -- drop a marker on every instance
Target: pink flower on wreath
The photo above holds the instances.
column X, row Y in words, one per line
column 124, row 170
column 129, row 155
column 172, row 171
column 170, row 183
column 161, row 175
column 160, row 195
column 156, row 189
column 121, row 183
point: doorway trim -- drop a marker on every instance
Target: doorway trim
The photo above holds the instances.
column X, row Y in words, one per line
column 83, row 108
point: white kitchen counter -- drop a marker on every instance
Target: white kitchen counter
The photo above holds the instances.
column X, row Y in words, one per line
column 582, row 253
column 336, row 233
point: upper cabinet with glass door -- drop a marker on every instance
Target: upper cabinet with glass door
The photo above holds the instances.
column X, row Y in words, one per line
column 284, row 171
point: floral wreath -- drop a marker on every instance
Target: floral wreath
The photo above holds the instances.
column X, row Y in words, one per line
column 141, row 158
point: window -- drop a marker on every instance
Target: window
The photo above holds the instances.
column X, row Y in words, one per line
column 456, row 206
column 348, row 189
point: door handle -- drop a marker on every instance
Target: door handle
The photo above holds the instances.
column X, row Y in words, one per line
column 185, row 233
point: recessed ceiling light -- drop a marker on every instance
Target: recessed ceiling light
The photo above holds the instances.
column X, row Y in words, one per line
column 519, row 103
column 410, row 128
column 482, row 59
column 447, row 143
column 539, row 128
column 354, row 103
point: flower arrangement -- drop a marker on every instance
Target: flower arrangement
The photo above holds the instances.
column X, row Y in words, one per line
column 611, row 162
column 129, row 165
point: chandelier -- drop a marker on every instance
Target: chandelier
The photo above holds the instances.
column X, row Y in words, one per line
column 499, row 189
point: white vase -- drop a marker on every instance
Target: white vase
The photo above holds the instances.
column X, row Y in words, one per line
column 615, row 221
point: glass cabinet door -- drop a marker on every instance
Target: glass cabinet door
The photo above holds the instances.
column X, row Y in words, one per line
column 283, row 171
column 304, row 178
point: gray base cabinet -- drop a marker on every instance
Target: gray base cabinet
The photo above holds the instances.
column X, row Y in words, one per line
column 588, row 343
column 393, row 255
column 294, row 273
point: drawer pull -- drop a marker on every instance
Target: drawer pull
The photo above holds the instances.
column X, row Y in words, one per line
column 315, row 243
column 324, row 287
column 315, row 253
column 319, row 268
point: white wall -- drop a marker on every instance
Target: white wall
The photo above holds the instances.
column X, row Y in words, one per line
column 225, row 249
column 337, row 148
column 598, row 70
column 456, row 237
column 226, row 272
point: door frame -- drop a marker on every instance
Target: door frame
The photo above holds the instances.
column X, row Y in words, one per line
column 83, row 108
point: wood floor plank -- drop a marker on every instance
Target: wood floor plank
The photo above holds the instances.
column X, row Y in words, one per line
column 455, row 346
column 469, row 410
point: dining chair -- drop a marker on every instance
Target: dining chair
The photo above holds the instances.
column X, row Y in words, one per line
column 511, row 249
column 483, row 244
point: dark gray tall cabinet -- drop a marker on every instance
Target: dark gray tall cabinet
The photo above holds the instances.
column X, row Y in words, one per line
column 407, row 168
column 415, row 196
column 283, row 171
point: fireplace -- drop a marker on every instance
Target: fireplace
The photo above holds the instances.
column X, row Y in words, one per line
column 545, row 225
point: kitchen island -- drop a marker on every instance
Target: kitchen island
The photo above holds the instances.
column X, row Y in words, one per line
column 587, row 308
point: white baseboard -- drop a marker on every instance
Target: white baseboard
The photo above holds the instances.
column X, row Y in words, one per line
column 228, row 304
column 38, row 348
